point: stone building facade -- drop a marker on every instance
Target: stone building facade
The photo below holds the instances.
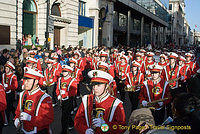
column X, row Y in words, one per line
column 28, row 17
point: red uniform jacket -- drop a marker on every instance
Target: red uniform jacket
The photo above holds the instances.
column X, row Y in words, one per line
column 88, row 62
column 145, row 67
column 94, row 64
column 11, row 81
column 193, row 66
column 81, row 64
column 66, row 87
column 113, row 58
column 141, row 64
column 130, row 59
column 77, row 74
column 150, row 92
column 112, row 70
column 39, row 65
column 162, row 64
column 39, row 105
column 3, row 103
column 169, row 74
column 134, row 80
column 122, row 70
column 186, row 72
column 110, row 109
column 116, row 64
column 57, row 69
column 50, row 76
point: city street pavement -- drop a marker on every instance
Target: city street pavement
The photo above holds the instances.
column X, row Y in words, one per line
column 56, row 125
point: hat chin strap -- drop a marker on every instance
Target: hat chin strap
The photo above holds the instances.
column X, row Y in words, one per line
column 32, row 84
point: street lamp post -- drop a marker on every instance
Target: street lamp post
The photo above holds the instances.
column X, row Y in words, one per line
column 172, row 37
column 47, row 25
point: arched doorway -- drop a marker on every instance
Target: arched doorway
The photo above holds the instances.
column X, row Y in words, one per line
column 29, row 20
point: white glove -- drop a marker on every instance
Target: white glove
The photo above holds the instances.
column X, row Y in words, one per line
column 97, row 122
column 144, row 103
column 44, row 83
column 89, row 131
column 128, row 86
column 62, row 91
column 182, row 78
column 24, row 116
column 16, row 122
column 160, row 103
column 59, row 97
column 5, row 85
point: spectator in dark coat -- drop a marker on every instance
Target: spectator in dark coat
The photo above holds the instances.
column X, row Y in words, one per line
column 3, row 57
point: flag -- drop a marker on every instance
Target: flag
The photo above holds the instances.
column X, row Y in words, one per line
column 195, row 26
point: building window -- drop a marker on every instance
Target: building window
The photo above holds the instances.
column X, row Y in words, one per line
column 81, row 10
column 5, row 35
column 170, row 6
column 55, row 10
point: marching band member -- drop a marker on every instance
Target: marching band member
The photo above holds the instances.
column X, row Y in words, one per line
column 95, row 60
column 77, row 74
column 34, row 112
column 99, row 108
column 133, row 80
column 32, row 54
column 193, row 66
column 56, row 66
column 117, row 62
column 3, row 106
column 143, row 52
column 104, row 56
column 50, row 80
column 138, row 58
column 185, row 70
column 66, row 90
column 88, row 60
column 31, row 62
column 162, row 62
column 10, row 83
column 172, row 74
column 130, row 56
column 80, row 64
column 122, row 69
column 113, row 57
column 149, row 61
column 113, row 86
column 155, row 89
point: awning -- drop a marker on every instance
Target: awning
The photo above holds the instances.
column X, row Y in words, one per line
column 85, row 22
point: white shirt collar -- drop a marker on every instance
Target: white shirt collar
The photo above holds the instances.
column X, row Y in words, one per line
column 102, row 98
column 34, row 91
